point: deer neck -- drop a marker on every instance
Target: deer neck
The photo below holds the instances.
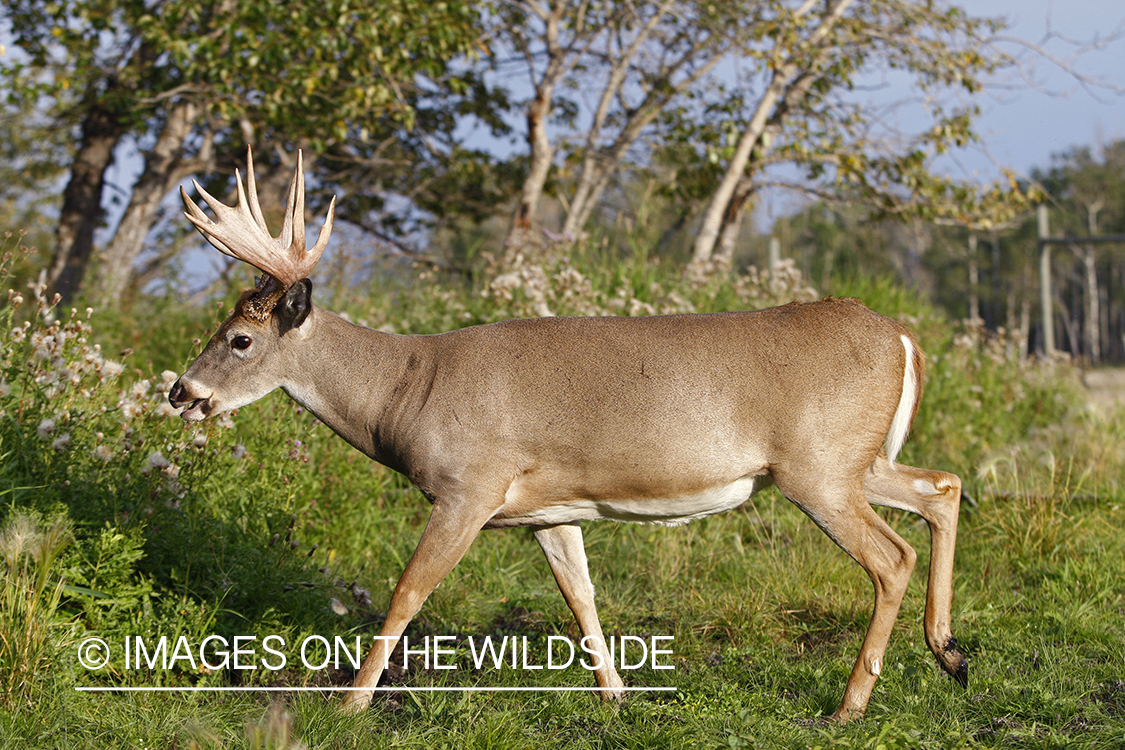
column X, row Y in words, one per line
column 367, row 386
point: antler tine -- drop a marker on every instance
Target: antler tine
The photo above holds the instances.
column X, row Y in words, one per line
column 325, row 231
column 293, row 230
column 196, row 216
column 236, row 233
column 252, row 187
column 240, row 230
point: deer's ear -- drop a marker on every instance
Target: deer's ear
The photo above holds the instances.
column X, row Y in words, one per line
column 292, row 309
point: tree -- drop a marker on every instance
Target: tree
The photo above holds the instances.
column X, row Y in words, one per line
column 629, row 62
column 1091, row 193
column 193, row 83
column 807, row 63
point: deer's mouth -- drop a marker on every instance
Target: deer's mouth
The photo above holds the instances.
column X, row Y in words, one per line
column 197, row 410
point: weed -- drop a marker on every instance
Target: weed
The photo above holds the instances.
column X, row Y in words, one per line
column 33, row 632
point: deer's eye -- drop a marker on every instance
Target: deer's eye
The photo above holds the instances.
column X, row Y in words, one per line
column 240, row 342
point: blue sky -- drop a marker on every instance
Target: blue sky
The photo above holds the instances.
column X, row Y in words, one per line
column 1021, row 125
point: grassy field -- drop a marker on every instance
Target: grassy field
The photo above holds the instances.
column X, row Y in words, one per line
column 116, row 521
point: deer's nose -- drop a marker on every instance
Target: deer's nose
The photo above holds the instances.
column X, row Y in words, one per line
column 178, row 395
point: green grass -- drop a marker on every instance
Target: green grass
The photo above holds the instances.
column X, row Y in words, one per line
column 271, row 525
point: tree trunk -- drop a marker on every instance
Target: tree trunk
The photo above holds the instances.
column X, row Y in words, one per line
column 1093, row 309
column 788, row 85
column 732, row 222
column 539, row 141
column 974, row 283
column 704, row 243
column 519, row 234
column 82, row 201
column 164, row 169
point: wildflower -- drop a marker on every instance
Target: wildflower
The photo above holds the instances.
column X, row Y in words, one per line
column 112, row 369
column 166, row 409
column 167, row 378
column 156, row 460
column 129, row 409
column 337, row 606
column 104, row 452
column 61, row 441
column 140, row 388
column 199, row 440
column 5, row 389
column 238, row 451
column 46, row 427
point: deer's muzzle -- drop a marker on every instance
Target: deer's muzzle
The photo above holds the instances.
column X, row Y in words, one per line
column 198, row 407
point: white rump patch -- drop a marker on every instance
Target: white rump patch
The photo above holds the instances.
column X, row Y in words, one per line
column 900, row 425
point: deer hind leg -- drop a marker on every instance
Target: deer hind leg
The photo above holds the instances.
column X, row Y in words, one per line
column 936, row 497
column 842, row 512
column 566, row 554
column 447, row 537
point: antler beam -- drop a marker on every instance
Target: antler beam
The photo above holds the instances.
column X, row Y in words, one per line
column 240, row 230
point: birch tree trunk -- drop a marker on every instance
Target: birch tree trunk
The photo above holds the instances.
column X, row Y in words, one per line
column 539, row 141
column 732, row 222
column 787, row 86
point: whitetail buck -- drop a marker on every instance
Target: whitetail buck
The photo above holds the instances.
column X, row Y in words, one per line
column 546, row 423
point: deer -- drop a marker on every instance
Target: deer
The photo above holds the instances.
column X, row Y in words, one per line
column 546, row 423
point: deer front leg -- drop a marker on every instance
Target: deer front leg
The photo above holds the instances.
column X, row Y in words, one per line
column 936, row 496
column 448, row 534
column 566, row 554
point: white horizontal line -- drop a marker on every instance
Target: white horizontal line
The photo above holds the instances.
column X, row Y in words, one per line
column 295, row 689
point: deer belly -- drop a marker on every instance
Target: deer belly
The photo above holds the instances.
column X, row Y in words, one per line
column 669, row 511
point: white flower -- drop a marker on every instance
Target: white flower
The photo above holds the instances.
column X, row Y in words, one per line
column 337, row 606
column 166, row 409
column 103, row 452
column 140, row 388
column 112, row 369
column 61, row 441
column 156, row 460
column 168, row 376
column 128, row 409
column 238, row 451
column 199, row 440
column 5, row 389
column 46, row 427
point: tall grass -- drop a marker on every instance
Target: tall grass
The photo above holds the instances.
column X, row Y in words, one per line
column 33, row 634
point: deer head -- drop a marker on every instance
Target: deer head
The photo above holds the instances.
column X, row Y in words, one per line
column 280, row 303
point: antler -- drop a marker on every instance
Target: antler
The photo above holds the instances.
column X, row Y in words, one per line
column 240, row 231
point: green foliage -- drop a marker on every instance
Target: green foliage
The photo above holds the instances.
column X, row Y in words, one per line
column 324, row 67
